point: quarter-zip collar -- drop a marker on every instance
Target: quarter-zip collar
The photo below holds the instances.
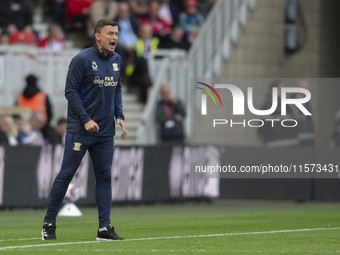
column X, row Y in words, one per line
column 101, row 54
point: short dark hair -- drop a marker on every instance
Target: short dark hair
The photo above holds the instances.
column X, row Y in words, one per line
column 53, row 25
column 31, row 80
column 103, row 23
column 61, row 120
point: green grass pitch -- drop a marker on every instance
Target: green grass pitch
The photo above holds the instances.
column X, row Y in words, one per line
column 221, row 227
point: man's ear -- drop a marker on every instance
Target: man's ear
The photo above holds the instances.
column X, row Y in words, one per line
column 97, row 36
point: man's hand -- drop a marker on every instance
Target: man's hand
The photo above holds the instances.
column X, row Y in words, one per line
column 91, row 127
column 178, row 117
column 121, row 123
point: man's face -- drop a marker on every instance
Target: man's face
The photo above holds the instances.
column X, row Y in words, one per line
column 145, row 32
column 5, row 126
column 38, row 121
column 124, row 12
column 61, row 128
column 2, row 113
column 192, row 10
column 108, row 38
column 153, row 12
column 55, row 32
column 166, row 93
column 177, row 33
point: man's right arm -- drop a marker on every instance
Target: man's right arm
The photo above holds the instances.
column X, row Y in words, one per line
column 75, row 77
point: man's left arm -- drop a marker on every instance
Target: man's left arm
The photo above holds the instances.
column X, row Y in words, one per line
column 179, row 108
column 179, row 112
column 119, row 109
column 118, row 101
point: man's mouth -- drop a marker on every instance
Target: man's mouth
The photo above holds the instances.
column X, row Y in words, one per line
column 113, row 44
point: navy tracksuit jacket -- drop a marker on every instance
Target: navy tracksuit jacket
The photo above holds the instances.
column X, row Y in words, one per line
column 93, row 91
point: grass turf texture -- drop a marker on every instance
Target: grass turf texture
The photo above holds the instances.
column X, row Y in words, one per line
column 187, row 220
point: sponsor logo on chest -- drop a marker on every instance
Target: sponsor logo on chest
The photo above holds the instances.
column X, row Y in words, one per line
column 108, row 81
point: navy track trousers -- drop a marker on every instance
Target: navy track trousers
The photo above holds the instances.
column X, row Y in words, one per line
column 101, row 152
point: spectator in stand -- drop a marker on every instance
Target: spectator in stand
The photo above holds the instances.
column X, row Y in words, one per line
column 168, row 12
column 7, row 127
column 176, row 40
column 23, row 37
column 5, row 39
column 159, row 27
column 33, row 98
column 2, row 113
column 191, row 20
column 19, row 123
column 57, row 134
column 145, row 44
column 335, row 138
column 139, row 7
column 60, row 129
column 128, row 29
column 170, row 115
column 16, row 19
column 32, row 129
column 15, row 15
column 306, row 127
column 58, row 11
column 3, row 137
column 38, row 101
column 54, row 40
column 101, row 9
column 78, row 12
column 275, row 136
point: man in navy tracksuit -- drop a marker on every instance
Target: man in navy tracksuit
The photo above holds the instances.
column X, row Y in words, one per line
column 94, row 95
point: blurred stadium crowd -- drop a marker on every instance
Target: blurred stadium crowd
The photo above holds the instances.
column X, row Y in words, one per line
column 17, row 17
column 145, row 26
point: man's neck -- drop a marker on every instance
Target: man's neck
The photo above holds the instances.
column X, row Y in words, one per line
column 101, row 50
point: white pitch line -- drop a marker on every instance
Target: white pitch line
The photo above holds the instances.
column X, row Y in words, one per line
column 23, row 239
column 173, row 237
column 235, row 234
column 209, row 251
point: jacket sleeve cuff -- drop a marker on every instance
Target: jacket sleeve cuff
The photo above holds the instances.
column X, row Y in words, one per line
column 120, row 117
column 85, row 120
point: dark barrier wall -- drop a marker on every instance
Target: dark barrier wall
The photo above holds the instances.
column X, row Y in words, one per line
column 161, row 173
column 139, row 174
column 319, row 179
